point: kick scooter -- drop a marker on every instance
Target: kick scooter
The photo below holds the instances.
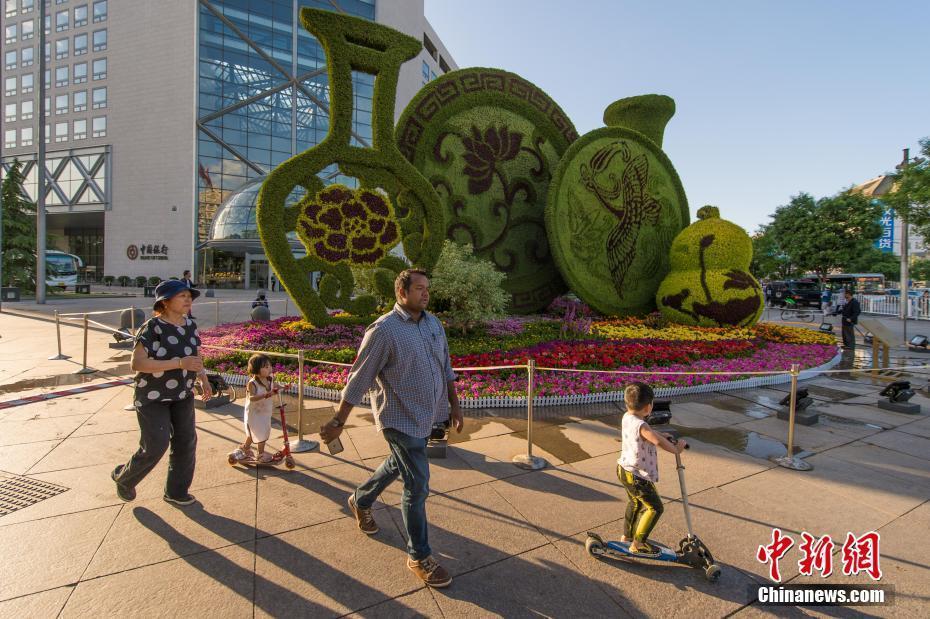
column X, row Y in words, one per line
column 691, row 550
column 284, row 455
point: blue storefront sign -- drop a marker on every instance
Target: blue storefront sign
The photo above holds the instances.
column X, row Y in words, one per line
column 886, row 241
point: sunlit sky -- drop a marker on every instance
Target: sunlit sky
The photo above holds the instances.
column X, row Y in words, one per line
column 773, row 98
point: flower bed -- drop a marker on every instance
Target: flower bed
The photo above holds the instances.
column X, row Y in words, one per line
column 651, row 351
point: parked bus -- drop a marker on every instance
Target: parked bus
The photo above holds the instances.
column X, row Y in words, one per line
column 61, row 269
column 865, row 283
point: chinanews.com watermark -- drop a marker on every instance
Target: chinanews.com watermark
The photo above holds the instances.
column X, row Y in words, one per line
column 823, row 595
column 859, row 555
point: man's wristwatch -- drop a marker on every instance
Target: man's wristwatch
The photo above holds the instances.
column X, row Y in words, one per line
column 334, row 422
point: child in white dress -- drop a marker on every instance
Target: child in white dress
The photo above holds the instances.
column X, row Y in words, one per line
column 259, row 408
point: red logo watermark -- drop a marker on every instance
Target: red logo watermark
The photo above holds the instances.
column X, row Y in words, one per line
column 859, row 554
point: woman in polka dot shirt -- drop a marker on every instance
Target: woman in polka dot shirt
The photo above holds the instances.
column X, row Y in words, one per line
column 167, row 364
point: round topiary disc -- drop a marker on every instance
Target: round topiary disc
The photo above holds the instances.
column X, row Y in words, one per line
column 488, row 141
column 615, row 205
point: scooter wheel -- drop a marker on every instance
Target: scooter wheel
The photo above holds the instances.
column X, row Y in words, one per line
column 231, row 459
column 593, row 546
column 289, row 462
column 712, row 573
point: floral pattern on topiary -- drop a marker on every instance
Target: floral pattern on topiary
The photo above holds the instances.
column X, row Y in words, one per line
column 344, row 225
column 488, row 140
column 709, row 283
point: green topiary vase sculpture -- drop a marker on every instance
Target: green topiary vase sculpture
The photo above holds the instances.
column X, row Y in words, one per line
column 614, row 206
column 709, row 283
column 341, row 227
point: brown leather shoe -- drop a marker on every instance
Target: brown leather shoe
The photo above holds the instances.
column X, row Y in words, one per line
column 366, row 522
column 430, row 572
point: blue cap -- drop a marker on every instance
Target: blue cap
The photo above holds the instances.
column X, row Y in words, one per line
column 170, row 288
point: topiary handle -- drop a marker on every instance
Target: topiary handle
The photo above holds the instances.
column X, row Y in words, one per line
column 647, row 114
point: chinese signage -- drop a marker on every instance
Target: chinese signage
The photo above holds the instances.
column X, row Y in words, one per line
column 147, row 251
column 886, row 241
column 859, row 554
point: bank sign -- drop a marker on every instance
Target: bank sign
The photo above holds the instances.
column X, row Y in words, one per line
column 885, row 242
column 147, row 251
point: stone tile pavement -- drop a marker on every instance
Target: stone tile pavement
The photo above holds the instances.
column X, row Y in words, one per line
column 272, row 542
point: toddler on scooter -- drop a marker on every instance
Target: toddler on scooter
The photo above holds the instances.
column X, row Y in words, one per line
column 258, row 409
column 638, row 467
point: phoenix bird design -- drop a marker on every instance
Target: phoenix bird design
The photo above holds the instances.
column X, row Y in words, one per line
column 626, row 199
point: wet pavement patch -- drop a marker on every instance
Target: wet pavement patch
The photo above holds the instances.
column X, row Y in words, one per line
column 741, row 441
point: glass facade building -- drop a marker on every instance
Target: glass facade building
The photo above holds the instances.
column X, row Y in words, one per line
column 263, row 97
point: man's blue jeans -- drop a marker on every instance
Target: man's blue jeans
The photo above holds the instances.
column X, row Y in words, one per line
column 407, row 460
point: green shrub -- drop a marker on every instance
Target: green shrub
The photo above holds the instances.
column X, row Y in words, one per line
column 108, row 280
column 154, row 280
column 124, row 280
column 709, row 283
column 469, row 287
column 141, row 280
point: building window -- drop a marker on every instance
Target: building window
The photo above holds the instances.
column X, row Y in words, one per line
column 80, row 129
column 61, row 21
column 25, row 110
column 48, row 132
column 48, row 79
column 28, row 29
column 80, row 16
column 61, row 76
column 100, row 126
column 48, row 51
column 61, row 104
column 25, row 136
column 61, row 48
column 80, row 73
column 425, row 72
column 100, row 11
column 48, row 27
column 28, row 83
column 80, row 101
column 100, row 98
column 10, row 34
column 10, row 8
column 9, row 88
column 9, row 138
column 27, row 5
column 10, row 59
column 61, row 132
column 28, row 57
column 9, row 112
column 100, row 40
column 100, row 68
column 80, row 44
column 60, row 1
column 48, row 106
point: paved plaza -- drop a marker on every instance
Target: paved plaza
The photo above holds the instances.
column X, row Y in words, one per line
column 270, row 542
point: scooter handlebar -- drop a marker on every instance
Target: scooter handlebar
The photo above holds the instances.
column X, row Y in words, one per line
column 674, row 441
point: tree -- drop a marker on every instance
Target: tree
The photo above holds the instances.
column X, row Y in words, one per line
column 19, row 232
column 826, row 234
column 919, row 270
column 876, row 261
column 911, row 194
column 468, row 289
column 769, row 260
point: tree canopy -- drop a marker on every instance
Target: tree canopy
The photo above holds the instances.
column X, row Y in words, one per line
column 19, row 232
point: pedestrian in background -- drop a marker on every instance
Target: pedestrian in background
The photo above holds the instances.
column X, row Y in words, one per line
column 850, row 312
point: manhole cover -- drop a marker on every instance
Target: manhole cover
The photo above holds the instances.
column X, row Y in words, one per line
column 19, row 492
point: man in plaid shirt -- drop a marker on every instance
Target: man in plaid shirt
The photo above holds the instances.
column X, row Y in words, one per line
column 403, row 363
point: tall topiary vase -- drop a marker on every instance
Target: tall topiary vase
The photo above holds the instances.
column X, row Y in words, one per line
column 614, row 206
column 340, row 226
column 709, row 282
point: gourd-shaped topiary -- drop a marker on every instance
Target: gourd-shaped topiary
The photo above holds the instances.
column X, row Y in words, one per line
column 709, row 282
